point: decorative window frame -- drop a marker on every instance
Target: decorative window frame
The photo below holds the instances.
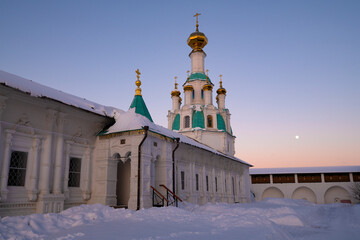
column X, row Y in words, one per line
column 21, row 138
column 84, row 152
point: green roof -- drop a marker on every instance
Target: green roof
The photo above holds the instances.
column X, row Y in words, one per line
column 220, row 122
column 140, row 107
column 176, row 123
column 198, row 76
column 198, row 119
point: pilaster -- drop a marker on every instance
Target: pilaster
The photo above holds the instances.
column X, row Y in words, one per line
column 45, row 171
column 5, row 165
column 86, row 186
column 59, row 157
column 33, row 186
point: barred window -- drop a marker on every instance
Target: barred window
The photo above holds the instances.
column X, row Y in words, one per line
column 74, row 172
column 17, row 169
column 186, row 121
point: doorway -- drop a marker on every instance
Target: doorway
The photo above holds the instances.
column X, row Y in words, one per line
column 123, row 181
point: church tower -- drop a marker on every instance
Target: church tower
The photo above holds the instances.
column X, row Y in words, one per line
column 198, row 118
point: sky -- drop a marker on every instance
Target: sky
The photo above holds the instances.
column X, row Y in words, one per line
column 291, row 68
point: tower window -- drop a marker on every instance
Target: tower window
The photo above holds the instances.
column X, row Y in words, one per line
column 193, row 93
column 202, row 93
column 17, row 169
column 186, row 122
column 74, row 172
column 209, row 121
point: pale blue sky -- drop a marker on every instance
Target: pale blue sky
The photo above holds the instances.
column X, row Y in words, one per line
column 290, row 67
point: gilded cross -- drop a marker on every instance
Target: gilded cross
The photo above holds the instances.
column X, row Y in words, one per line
column 197, row 21
column 220, row 80
column 207, row 72
column 138, row 73
column 187, row 73
column 176, row 84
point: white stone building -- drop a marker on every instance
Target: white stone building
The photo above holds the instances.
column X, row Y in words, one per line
column 58, row 151
column 315, row 184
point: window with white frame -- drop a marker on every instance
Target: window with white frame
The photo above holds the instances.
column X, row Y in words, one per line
column 74, row 172
column 17, row 169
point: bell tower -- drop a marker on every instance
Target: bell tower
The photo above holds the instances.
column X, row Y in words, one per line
column 198, row 118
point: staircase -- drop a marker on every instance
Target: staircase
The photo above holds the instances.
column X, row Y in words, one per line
column 160, row 200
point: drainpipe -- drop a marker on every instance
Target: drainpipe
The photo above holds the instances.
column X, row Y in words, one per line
column 173, row 163
column 146, row 128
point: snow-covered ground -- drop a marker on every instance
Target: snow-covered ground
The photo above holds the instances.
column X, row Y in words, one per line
column 270, row 219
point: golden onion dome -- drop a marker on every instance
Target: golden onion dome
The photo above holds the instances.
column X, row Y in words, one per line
column 197, row 40
column 188, row 87
column 175, row 92
column 221, row 90
column 208, row 85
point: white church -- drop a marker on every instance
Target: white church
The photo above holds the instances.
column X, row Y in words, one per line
column 59, row 151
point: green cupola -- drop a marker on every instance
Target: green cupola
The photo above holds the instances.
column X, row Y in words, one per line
column 138, row 102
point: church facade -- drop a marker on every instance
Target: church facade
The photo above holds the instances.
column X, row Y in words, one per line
column 58, row 150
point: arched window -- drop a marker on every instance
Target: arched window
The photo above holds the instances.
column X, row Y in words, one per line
column 209, row 121
column 193, row 93
column 186, row 122
column 202, row 94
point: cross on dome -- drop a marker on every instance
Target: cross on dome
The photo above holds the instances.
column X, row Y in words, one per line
column 197, row 20
column 138, row 83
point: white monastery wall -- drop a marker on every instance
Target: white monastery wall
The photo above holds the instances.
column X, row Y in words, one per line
column 321, row 192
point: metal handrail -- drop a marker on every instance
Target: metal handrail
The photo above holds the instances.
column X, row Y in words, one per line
column 158, row 198
column 162, row 196
column 173, row 194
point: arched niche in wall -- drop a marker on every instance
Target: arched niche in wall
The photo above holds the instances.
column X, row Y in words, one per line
column 304, row 193
column 272, row 192
column 336, row 194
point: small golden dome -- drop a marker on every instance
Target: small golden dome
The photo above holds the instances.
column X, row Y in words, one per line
column 175, row 92
column 188, row 88
column 221, row 90
column 207, row 86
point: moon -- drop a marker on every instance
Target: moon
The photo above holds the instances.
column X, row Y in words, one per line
column 297, row 137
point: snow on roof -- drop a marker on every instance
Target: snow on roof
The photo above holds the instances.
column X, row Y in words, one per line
column 37, row 90
column 132, row 121
column 329, row 169
column 128, row 120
